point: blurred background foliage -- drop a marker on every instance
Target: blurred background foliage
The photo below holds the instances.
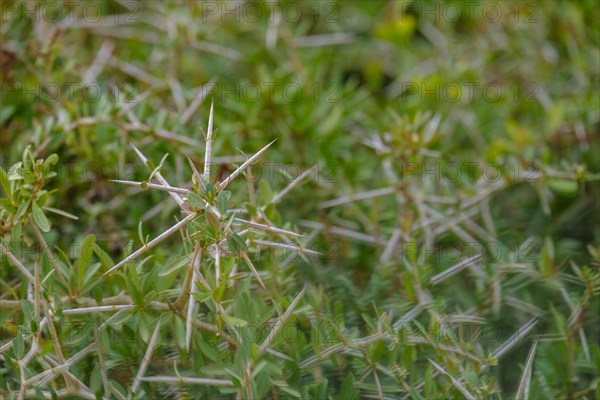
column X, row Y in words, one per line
column 377, row 94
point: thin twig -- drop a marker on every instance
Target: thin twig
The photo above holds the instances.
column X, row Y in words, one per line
column 242, row 167
column 147, row 357
column 523, row 392
column 277, row 198
column 263, row 347
column 15, row 261
column 198, row 253
column 182, row 380
column 253, row 270
column 455, row 383
column 159, row 177
column 180, row 225
column 148, row 185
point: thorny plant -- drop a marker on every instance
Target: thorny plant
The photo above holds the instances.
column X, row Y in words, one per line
column 247, row 348
column 221, row 243
column 209, row 315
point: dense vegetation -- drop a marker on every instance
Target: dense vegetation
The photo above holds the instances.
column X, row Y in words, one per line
column 423, row 224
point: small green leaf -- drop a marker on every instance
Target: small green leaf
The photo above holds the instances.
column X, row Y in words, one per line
column 134, row 292
column 263, row 383
column 234, row 321
column 240, row 243
column 39, row 218
column 144, row 327
column 104, row 258
column 61, row 212
column 291, row 392
column 157, row 169
column 141, row 234
column 6, row 112
column 51, row 160
column 252, row 210
column 175, row 265
column 348, row 390
column 5, row 184
column 209, row 351
column 96, row 380
column 116, row 387
column 84, row 257
column 22, row 209
column 201, row 297
column 222, row 201
column 33, row 326
column 563, row 186
column 266, row 193
column 235, row 378
column 212, row 220
column 210, row 190
column 19, row 345
column 195, row 201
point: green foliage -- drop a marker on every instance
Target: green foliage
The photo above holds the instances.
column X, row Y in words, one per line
column 424, row 227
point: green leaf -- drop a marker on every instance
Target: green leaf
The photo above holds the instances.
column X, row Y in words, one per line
column 252, row 210
column 96, row 379
column 89, row 282
column 117, row 388
column 201, row 297
column 157, row 169
column 179, row 326
column 222, row 201
column 196, row 201
column 61, row 212
column 210, row 191
column 28, row 310
column 19, row 345
column 234, row 321
column 291, row 392
column 134, row 292
column 212, row 220
column 176, row 264
column 266, row 193
column 104, row 258
column 5, row 184
column 563, row 186
column 263, row 383
column 235, row 378
column 51, row 160
column 272, row 214
column 348, row 389
column 22, row 210
column 86, row 249
column 39, row 218
column 208, row 350
column 5, row 112
column 141, row 233
column 240, row 243
column 145, row 327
